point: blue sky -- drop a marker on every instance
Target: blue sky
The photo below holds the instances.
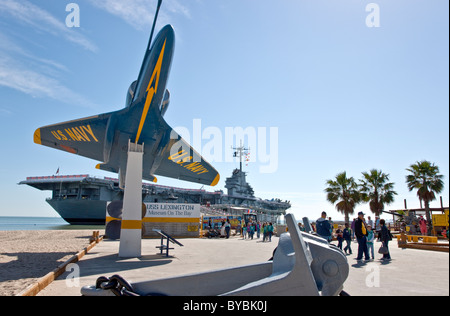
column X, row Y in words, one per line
column 343, row 96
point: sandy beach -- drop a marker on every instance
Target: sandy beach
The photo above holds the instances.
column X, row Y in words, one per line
column 26, row 256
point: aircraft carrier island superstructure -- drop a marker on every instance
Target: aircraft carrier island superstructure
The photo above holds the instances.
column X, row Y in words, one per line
column 82, row 199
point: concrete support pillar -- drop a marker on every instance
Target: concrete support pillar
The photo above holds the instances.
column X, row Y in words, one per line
column 131, row 232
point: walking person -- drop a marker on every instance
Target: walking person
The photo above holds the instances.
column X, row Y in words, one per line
column 227, row 228
column 377, row 228
column 261, row 227
column 323, row 227
column 369, row 221
column 249, row 230
column 377, row 224
column 386, row 237
column 423, row 226
column 265, row 231
column 222, row 229
column 340, row 236
column 331, row 227
column 361, row 237
column 370, row 241
column 348, row 238
column 270, row 230
column 353, row 228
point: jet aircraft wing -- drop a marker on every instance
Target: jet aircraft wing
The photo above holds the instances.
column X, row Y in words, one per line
column 181, row 161
column 84, row 137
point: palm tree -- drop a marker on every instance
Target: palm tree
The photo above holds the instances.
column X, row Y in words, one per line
column 377, row 190
column 425, row 178
column 344, row 192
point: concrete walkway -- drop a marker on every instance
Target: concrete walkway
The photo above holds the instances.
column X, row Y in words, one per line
column 411, row 272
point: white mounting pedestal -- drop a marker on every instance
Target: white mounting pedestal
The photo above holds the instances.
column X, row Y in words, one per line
column 131, row 232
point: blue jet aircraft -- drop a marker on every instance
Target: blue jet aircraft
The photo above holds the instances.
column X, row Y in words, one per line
column 106, row 137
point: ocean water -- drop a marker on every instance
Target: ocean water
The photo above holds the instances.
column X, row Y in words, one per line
column 38, row 223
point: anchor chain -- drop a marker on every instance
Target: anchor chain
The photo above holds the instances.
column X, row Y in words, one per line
column 116, row 284
column 119, row 286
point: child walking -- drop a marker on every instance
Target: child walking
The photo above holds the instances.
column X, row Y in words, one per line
column 370, row 240
column 348, row 239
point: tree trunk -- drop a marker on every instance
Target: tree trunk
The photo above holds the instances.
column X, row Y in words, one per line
column 428, row 215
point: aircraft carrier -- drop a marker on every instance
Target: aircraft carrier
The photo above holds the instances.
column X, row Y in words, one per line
column 82, row 199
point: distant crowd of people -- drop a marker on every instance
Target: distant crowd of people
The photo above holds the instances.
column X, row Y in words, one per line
column 249, row 229
column 364, row 231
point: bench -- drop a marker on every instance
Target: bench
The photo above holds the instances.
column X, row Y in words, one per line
column 432, row 240
column 415, row 238
column 165, row 247
column 425, row 239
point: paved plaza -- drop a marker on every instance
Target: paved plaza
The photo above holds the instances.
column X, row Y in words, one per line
column 409, row 273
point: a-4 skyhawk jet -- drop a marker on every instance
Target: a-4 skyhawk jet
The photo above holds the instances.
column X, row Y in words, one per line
column 105, row 137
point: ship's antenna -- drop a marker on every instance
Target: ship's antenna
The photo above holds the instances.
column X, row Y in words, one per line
column 154, row 24
column 240, row 152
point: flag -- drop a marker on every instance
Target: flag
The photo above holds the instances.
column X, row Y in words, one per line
column 57, row 171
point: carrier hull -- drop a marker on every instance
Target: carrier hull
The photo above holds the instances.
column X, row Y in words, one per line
column 82, row 199
column 79, row 212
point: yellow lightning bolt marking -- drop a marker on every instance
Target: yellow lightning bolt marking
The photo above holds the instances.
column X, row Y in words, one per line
column 151, row 91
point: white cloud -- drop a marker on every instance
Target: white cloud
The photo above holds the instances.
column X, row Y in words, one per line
column 16, row 75
column 140, row 13
column 26, row 12
column 11, row 48
column 24, row 71
column 4, row 112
